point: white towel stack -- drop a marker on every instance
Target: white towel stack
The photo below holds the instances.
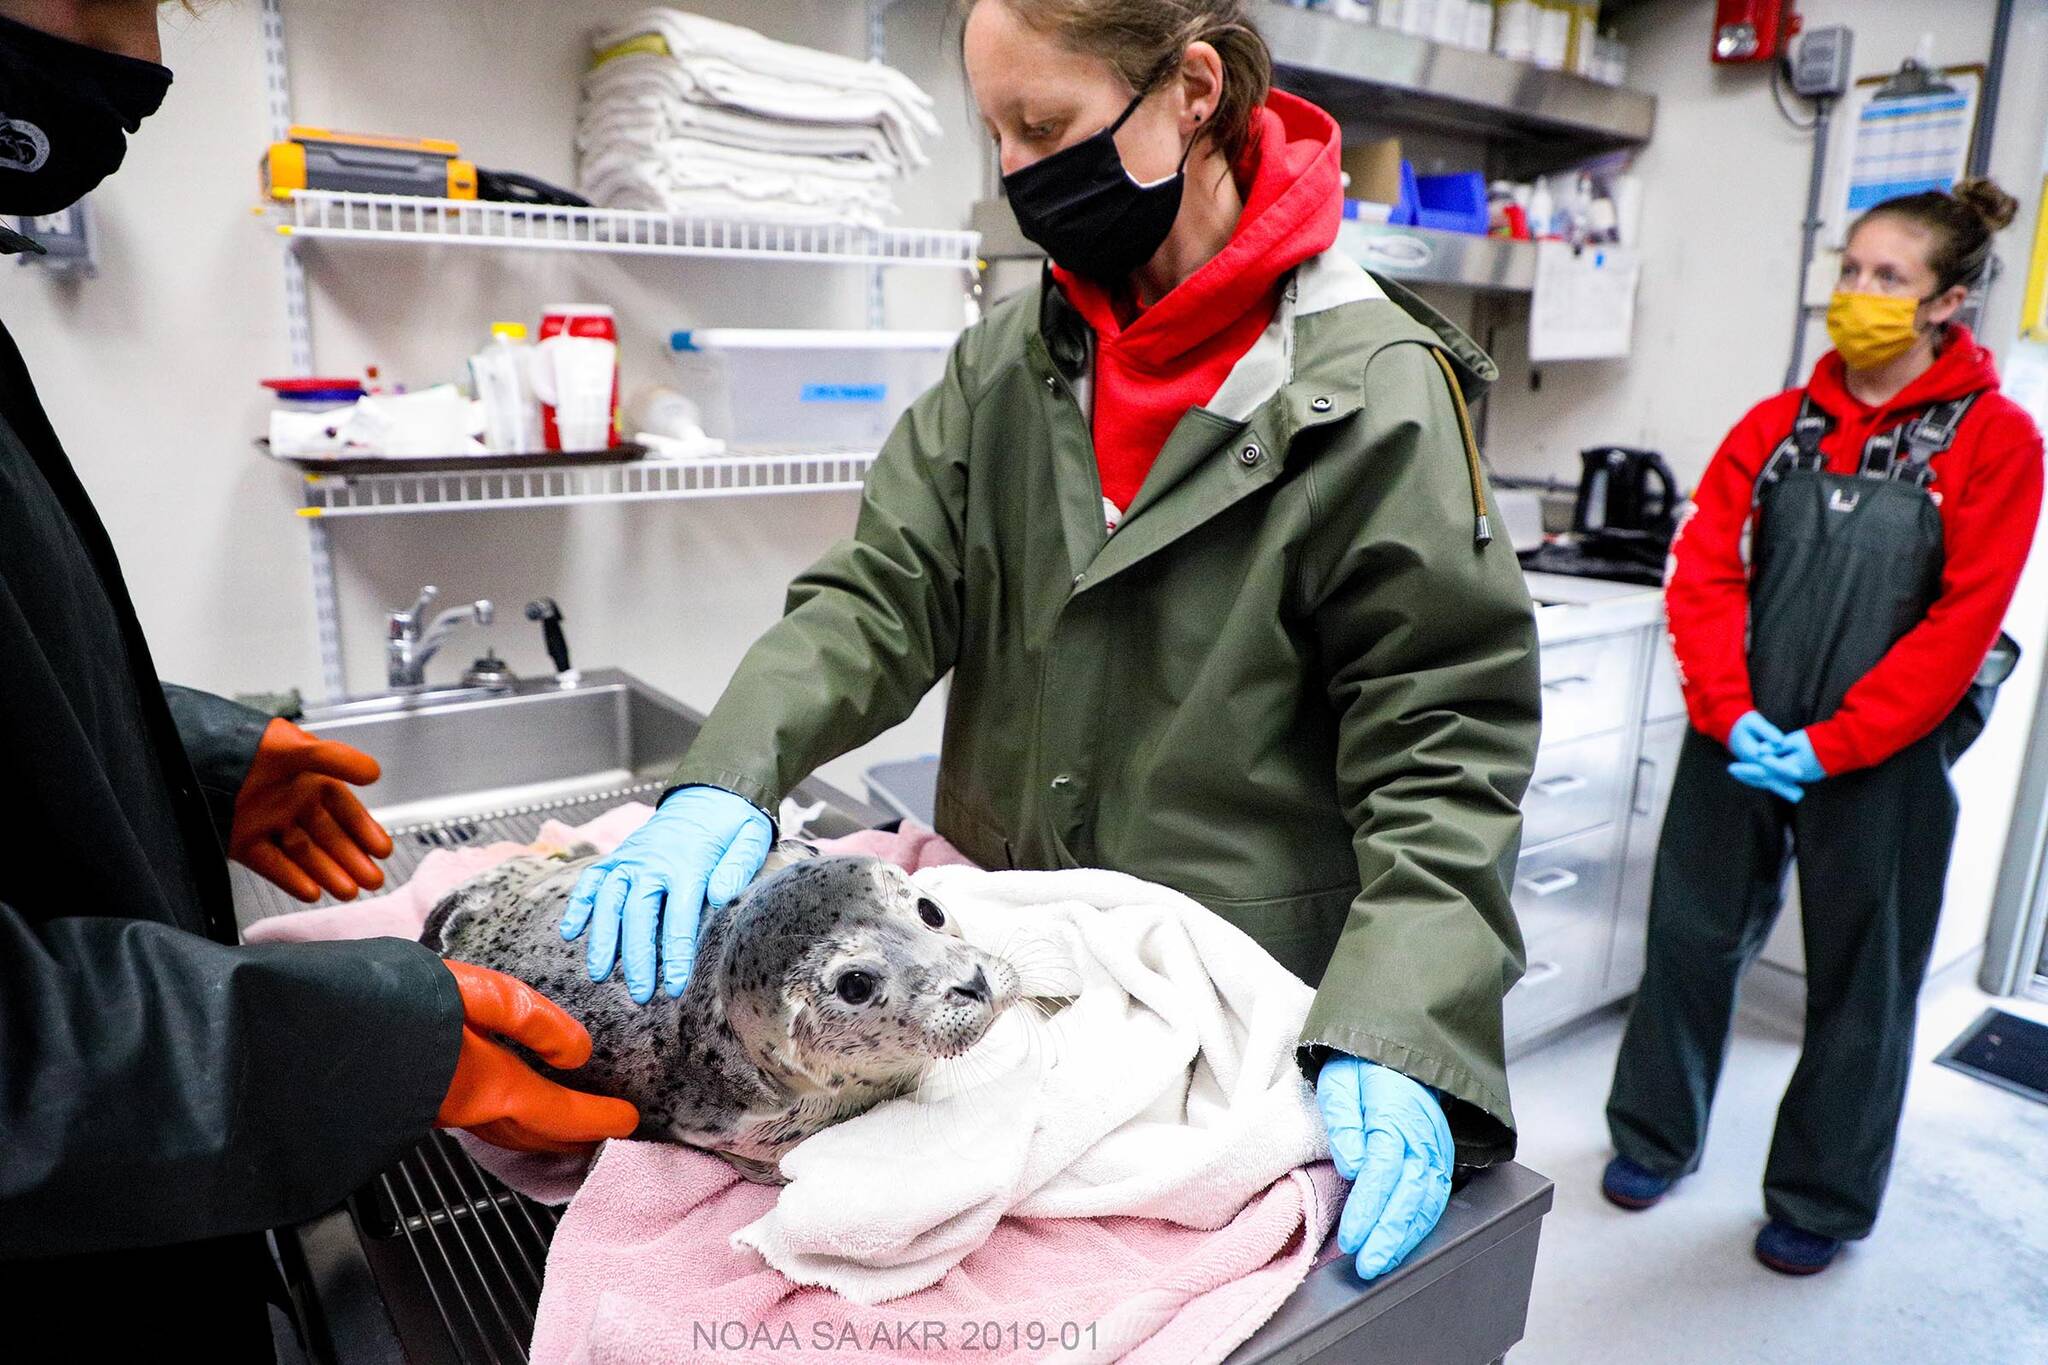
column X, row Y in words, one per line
column 684, row 114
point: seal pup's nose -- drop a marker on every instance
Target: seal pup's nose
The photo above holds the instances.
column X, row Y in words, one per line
column 975, row 988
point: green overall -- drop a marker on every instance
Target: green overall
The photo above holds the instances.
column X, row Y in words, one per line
column 1844, row 565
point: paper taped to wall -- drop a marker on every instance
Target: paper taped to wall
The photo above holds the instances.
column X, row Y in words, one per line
column 1909, row 131
column 1584, row 306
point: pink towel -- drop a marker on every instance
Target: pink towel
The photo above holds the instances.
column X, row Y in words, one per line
column 914, row 848
column 643, row 1270
column 643, row 1267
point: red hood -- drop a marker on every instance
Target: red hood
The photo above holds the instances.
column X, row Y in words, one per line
column 1962, row 367
column 1291, row 213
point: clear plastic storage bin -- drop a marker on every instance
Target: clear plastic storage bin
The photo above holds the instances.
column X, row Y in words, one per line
column 818, row 389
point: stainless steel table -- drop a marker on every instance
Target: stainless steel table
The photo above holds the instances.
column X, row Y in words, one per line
column 1462, row 1297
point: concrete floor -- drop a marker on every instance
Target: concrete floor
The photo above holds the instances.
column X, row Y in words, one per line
column 1956, row 1270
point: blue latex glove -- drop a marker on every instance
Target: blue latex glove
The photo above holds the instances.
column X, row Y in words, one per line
column 1767, row 779
column 1754, row 739
column 1794, row 758
column 1787, row 769
column 703, row 845
column 1388, row 1137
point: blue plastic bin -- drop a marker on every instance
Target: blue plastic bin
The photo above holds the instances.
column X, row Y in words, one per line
column 1451, row 203
column 1405, row 206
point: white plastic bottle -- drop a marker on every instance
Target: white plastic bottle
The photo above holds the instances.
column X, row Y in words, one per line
column 502, row 374
column 1542, row 209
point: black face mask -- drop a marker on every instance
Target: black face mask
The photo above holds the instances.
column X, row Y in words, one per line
column 65, row 112
column 1083, row 208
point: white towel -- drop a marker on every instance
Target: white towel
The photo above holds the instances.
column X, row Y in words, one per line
column 727, row 121
column 815, row 138
column 647, row 89
column 695, row 40
column 1166, row 1089
column 723, row 64
column 682, row 181
column 653, row 196
column 715, row 163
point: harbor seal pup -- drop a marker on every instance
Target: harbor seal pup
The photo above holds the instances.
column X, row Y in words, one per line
column 829, row 985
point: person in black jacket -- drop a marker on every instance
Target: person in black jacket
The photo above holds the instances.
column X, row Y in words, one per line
column 166, row 1093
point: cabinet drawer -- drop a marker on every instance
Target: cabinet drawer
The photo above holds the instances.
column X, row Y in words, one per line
column 1588, row 686
column 1568, row 885
column 1575, row 788
column 1563, row 980
column 1655, row 770
column 1667, row 699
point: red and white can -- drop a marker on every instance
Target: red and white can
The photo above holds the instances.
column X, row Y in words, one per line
column 580, row 320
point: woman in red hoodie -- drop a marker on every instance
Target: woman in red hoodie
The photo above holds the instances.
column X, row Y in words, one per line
column 1198, row 529
column 1890, row 504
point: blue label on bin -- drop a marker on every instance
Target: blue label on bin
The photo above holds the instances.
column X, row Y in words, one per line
column 844, row 393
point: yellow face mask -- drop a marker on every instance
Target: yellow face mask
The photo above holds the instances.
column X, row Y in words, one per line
column 1872, row 329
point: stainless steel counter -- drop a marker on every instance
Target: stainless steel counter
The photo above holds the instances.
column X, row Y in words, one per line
column 1462, row 1296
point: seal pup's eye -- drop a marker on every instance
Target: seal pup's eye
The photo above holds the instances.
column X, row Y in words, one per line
column 856, row 987
column 928, row 911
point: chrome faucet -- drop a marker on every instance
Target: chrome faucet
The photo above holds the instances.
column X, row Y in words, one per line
column 408, row 646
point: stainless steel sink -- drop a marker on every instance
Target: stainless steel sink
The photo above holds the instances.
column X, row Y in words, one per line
column 538, row 742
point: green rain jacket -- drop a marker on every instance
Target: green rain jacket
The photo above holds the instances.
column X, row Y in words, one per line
column 1296, row 684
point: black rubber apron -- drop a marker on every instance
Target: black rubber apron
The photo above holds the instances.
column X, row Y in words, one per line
column 1843, row 565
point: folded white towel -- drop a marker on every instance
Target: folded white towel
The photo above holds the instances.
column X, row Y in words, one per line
column 644, row 90
column 1167, row 1089
column 648, row 191
column 676, row 180
column 712, row 162
column 713, row 63
column 833, row 139
column 694, row 40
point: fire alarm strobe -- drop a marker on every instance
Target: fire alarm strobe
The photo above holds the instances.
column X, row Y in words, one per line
column 1752, row 30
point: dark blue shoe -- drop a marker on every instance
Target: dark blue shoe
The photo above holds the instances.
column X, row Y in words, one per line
column 1795, row 1251
column 1631, row 1186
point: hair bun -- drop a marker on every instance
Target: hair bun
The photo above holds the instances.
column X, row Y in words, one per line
column 1983, row 197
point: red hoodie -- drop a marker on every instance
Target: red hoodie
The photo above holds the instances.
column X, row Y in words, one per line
column 1153, row 364
column 1988, row 484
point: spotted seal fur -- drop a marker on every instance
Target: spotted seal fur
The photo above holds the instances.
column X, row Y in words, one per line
column 829, row 985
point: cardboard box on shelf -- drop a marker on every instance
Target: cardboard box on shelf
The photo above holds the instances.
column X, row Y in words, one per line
column 1374, row 169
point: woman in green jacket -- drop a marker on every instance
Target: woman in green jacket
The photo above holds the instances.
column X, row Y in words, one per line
column 1198, row 528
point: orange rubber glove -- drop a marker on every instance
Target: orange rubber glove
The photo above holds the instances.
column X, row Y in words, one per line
column 503, row 1100
column 297, row 823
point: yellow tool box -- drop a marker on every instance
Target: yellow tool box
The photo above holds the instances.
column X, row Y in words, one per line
column 366, row 163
